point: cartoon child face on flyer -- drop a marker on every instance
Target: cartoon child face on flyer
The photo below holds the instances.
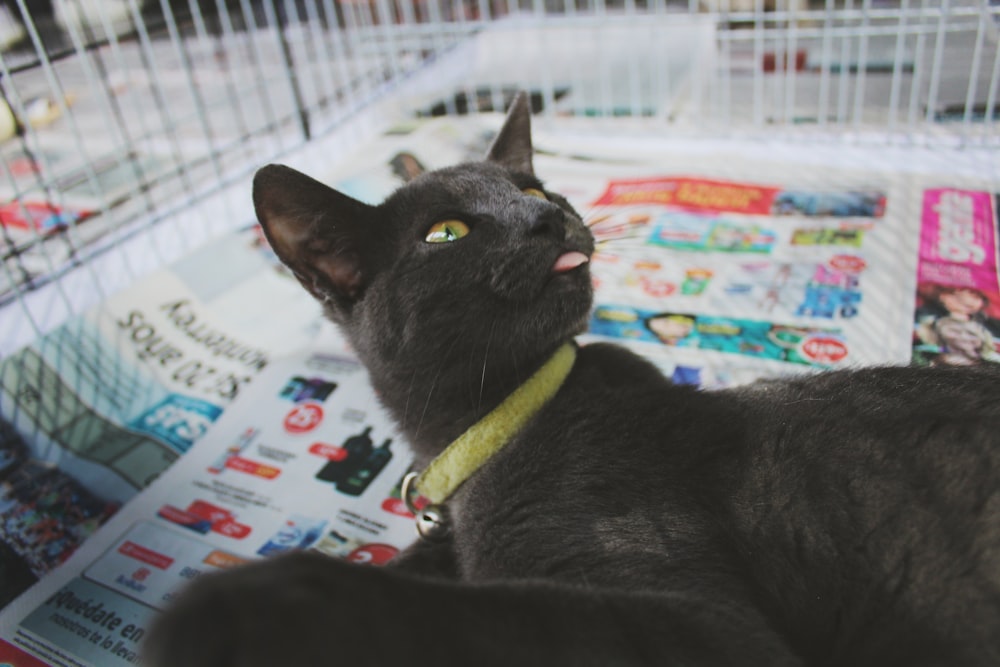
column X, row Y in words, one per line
column 672, row 329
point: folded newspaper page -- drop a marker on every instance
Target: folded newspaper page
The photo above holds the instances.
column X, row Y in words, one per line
column 209, row 415
column 304, row 459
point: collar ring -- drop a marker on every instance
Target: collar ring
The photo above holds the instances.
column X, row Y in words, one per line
column 408, row 490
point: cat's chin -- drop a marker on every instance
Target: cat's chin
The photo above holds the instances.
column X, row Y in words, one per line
column 572, row 279
column 568, row 300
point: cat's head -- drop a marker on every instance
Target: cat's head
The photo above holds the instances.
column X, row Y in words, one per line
column 456, row 260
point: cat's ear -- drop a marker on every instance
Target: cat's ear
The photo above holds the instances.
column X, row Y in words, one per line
column 317, row 232
column 512, row 146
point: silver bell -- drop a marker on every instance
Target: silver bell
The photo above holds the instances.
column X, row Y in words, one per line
column 431, row 523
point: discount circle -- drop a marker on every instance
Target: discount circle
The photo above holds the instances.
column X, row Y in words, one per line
column 303, row 418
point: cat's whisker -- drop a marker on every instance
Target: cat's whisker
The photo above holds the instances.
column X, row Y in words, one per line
column 427, row 403
column 409, row 394
column 486, row 355
column 430, row 391
column 472, row 365
column 517, row 369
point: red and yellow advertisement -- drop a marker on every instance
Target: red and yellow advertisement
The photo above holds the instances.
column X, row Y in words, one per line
column 691, row 193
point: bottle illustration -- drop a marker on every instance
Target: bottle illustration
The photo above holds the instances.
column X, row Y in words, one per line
column 300, row 389
column 297, row 532
column 233, row 451
column 292, row 388
column 355, row 483
column 316, row 389
column 358, row 448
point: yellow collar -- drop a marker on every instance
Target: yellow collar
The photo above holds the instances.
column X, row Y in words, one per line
column 487, row 436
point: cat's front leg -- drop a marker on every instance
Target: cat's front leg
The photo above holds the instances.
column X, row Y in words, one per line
column 308, row 610
column 303, row 610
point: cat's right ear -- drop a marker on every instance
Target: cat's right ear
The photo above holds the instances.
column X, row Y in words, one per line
column 316, row 232
column 512, row 145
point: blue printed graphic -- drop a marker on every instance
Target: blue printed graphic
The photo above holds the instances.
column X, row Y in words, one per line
column 752, row 338
column 177, row 420
column 681, row 231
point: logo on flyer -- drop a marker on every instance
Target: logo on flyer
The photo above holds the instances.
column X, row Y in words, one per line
column 848, row 263
column 145, row 555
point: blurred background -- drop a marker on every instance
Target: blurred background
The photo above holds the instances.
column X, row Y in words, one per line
column 118, row 115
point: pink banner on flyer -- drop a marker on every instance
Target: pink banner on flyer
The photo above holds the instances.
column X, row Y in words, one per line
column 958, row 240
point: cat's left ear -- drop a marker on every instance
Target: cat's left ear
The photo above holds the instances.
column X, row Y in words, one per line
column 322, row 235
column 512, row 146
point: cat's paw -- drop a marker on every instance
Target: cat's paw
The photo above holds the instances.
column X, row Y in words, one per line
column 302, row 609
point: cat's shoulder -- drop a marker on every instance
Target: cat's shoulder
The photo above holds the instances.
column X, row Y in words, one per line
column 618, row 366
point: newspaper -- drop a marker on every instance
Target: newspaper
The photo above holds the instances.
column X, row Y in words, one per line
column 208, row 415
column 305, row 459
column 102, row 405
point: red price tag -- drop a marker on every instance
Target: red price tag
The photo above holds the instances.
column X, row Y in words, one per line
column 824, row 350
column 398, row 507
column 848, row 263
column 331, row 452
column 141, row 553
column 657, row 288
column 231, row 528
column 303, row 418
column 208, row 511
column 373, row 554
column 253, row 468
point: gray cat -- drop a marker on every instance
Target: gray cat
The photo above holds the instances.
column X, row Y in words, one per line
column 851, row 518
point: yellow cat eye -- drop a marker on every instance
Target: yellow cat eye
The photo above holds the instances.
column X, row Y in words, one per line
column 446, row 231
column 535, row 192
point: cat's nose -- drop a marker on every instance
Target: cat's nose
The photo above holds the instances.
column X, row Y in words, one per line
column 549, row 222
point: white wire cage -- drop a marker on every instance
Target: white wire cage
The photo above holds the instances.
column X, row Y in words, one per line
column 118, row 116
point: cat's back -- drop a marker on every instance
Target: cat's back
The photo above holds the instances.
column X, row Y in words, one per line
column 863, row 506
column 915, row 427
column 871, row 502
column 971, row 390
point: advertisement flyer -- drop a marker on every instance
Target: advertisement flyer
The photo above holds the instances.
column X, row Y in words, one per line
column 306, row 459
column 957, row 314
column 94, row 411
column 757, row 271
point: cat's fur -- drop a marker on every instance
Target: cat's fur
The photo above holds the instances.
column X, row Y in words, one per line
column 852, row 518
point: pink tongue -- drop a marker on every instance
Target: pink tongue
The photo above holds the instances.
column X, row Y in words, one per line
column 569, row 261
